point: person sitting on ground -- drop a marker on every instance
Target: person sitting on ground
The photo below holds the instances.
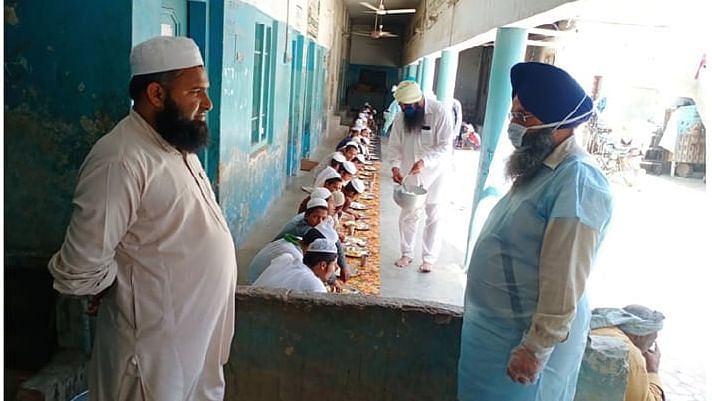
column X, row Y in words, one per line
column 334, row 161
column 350, row 150
column 333, row 184
column 287, row 245
column 308, row 274
column 317, row 211
column 347, row 171
column 354, row 132
column 638, row 327
column 351, row 192
column 359, row 161
column 328, row 174
column 321, row 193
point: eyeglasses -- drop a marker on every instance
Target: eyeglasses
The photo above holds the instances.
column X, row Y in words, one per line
column 519, row 115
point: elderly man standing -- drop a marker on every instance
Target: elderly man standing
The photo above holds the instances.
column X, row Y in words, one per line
column 421, row 143
column 526, row 313
column 148, row 235
column 637, row 326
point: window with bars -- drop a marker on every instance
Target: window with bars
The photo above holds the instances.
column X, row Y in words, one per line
column 262, row 78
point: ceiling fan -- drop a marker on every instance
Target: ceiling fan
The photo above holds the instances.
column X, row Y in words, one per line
column 381, row 9
column 377, row 32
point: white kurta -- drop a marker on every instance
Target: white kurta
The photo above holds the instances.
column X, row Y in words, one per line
column 270, row 251
column 432, row 144
column 146, row 226
column 289, row 273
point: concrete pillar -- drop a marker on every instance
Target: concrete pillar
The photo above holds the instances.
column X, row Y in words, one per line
column 509, row 48
column 419, row 72
column 411, row 72
column 428, row 74
column 447, row 75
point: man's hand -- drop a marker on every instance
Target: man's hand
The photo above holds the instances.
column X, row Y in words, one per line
column 523, row 366
column 345, row 273
column 397, row 176
column 417, row 167
column 652, row 359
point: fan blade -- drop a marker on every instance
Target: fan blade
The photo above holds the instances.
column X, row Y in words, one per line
column 388, row 35
column 401, row 11
column 367, row 5
column 368, row 35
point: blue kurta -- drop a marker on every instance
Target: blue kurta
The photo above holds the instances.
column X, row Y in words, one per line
column 503, row 281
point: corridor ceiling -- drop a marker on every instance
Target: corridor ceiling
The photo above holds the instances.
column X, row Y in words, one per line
column 359, row 17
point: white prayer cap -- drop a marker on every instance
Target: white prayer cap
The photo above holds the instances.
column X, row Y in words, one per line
column 366, row 128
column 322, row 245
column 331, row 173
column 316, row 202
column 358, row 185
column 362, row 115
column 393, row 88
column 164, row 53
column 338, row 156
column 351, row 143
column 349, row 167
column 327, row 230
column 361, row 158
column 408, row 92
column 356, row 127
column 320, row 193
column 339, row 198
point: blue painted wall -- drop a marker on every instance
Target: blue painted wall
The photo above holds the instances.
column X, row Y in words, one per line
column 251, row 178
column 66, row 84
column 66, row 75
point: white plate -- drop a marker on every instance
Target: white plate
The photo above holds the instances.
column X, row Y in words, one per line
column 358, row 206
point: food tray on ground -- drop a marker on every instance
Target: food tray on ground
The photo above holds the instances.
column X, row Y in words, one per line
column 370, row 168
column 368, row 163
column 367, row 196
column 354, row 251
column 358, row 225
column 350, row 240
column 365, row 174
column 375, row 158
column 358, row 206
column 307, row 189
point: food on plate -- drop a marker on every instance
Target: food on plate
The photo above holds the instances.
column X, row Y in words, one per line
column 358, row 206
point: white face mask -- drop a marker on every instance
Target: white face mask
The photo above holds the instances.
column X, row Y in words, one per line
column 517, row 131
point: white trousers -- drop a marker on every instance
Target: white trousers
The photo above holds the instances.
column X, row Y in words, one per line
column 432, row 242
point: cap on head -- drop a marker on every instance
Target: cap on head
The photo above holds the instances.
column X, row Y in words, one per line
column 339, row 198
column 550, row 94
column 349, row 167
column 338, row 156
column 330, row 173
column 320, row 193
column 317, row 202
column 358, row 185
column 164, row 53
column 328, row 231
column 361, row 158
column 322, row 245
column 408, row 92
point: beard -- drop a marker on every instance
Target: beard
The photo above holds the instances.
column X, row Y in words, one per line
column 184, row 134
column 526, row 161
column 414, row 122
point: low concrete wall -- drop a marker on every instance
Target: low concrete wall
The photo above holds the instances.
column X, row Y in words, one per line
column 295, row 347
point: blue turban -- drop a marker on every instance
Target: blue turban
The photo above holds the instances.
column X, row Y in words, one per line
column 626, row 321
column 550, row 94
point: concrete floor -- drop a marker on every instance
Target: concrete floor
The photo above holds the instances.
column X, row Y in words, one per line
column 656, row 253
column 445, row 284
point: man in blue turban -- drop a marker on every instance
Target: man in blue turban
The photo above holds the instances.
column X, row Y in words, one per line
column 526, row 312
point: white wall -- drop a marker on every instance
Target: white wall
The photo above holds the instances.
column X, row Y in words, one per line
column 439, row 24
